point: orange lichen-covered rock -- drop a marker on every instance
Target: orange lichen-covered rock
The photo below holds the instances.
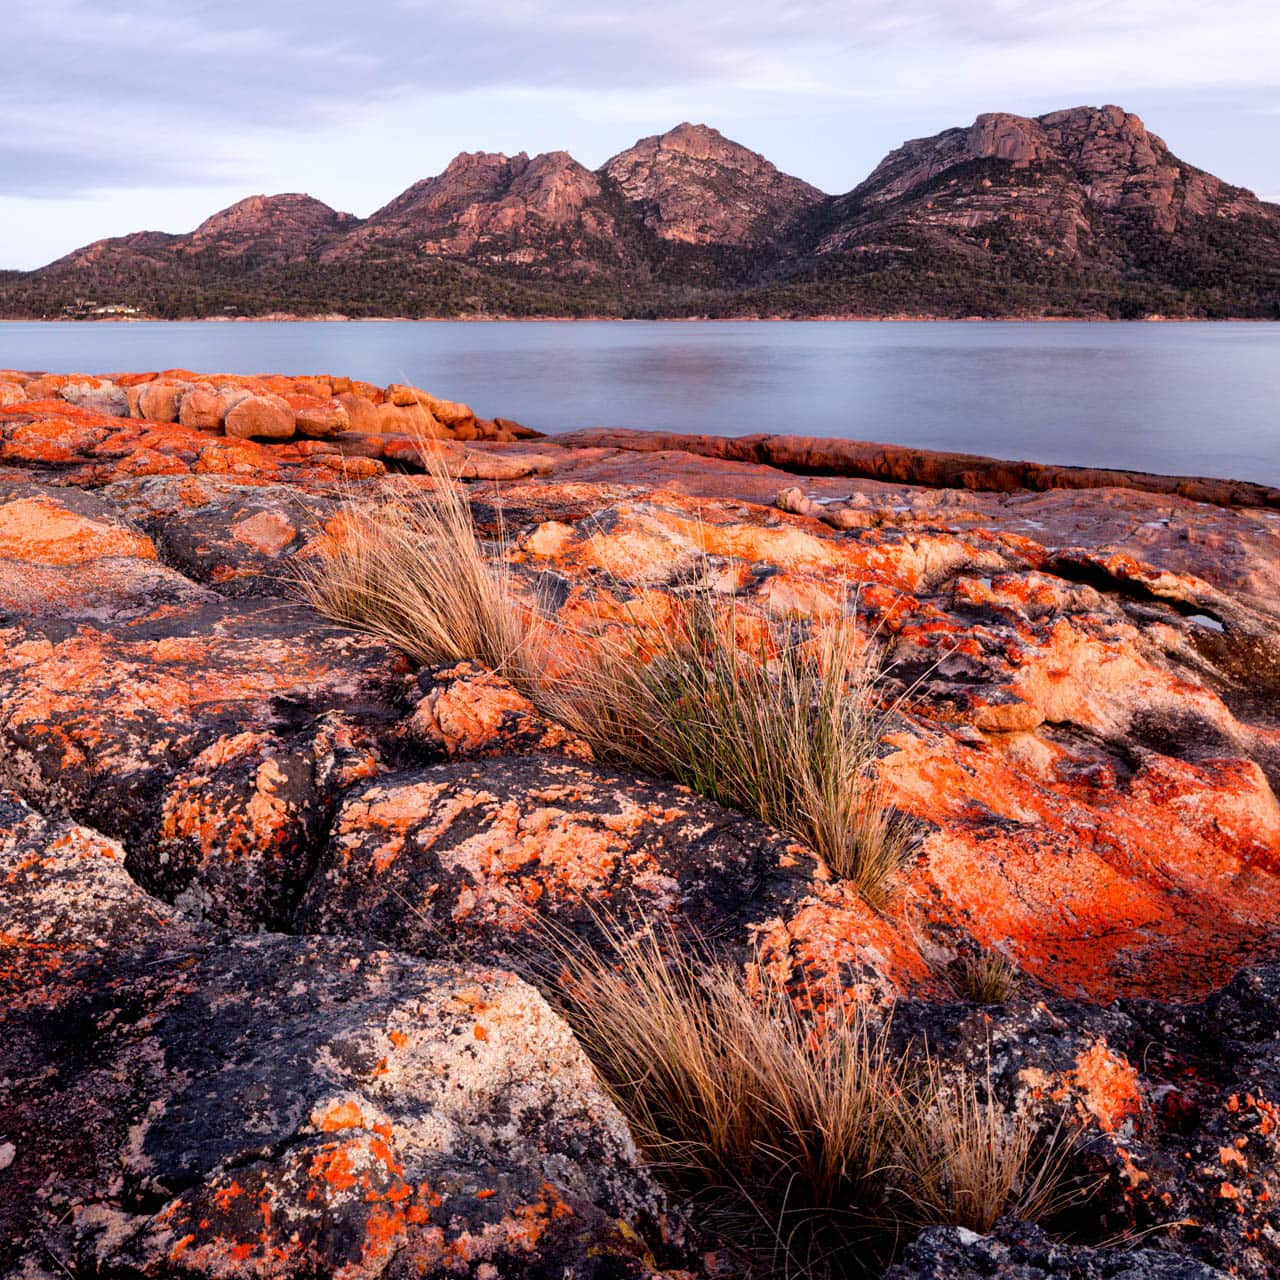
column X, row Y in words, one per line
column 65, row 554
column 204, row 408
column 352, row 468
column 161, row 401
column 411, row 419
column 66, row 897
column 449, row 413
column 51, row 386
column 49, row 440
column 362, row 413
column 468, row 711
column 43, row 530
column 238, row 825
column 462, row 463
column 474, row 852
column 1083, row 687
column 317, row 417
column 300, row 1106
column 98, row 720
column 1168, row 1103
column 260, row 417
column 219, row 531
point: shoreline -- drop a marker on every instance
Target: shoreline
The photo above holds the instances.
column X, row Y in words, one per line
column 851, row 318
column 794, row 452
column 854, row 459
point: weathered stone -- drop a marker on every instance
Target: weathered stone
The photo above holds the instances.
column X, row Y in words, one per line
column 319, row 418
column 161, row 401
column 467, row 711
column 66, row 897
column 449, row 413
column 409, row 420
column 471, row 853
column 260, row 418
column 1020, row 1251
column 352, row 468
column 238, row 828
column 237, row 539
column 98, row 396
column 203, row 409
column 182, row 1107
column 362, row 413
column 466, row 464
column 96, row 721
column 515, row 430
column 918, row 466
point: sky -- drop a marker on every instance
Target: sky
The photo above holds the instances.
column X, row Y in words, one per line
column 125, row 115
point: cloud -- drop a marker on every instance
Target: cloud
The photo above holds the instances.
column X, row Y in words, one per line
column 101, row 101
column 249, row 67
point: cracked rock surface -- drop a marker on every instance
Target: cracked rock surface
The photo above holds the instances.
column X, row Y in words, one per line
column 263, row 882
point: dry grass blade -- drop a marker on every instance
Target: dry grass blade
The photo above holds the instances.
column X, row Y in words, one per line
column 970, row 1162
column 989, row 977
column 418, row 575
column 786, row 731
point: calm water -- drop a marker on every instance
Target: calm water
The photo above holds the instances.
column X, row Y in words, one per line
column 1200, row 399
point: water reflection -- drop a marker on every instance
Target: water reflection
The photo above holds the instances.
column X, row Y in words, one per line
column 1193, row 398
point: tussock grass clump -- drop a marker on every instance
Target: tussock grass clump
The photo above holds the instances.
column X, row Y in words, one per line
column 807, row 1141
column 971, row 1161
column 418, row 576
column 784, row 1137
column 785, row 727
column 988, row 977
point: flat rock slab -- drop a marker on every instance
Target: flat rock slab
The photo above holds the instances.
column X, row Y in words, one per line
column 473, row 854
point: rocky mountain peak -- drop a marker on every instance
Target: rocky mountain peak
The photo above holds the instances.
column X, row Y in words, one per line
column 482, row 161
column 1065, row 170
column 1001, row 136
column 553, row 182
column 698, row 186
column 280, row 226
column 1044, row 198
column 291, row 212
column 702, row 142
column 555, row 185
column 468, row 177
column 516, row 210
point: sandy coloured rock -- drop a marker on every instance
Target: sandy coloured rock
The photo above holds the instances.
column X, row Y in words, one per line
column 319, row 418
column 260, row 418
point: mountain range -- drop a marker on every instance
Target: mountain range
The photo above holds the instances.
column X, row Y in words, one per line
column 1081, row 212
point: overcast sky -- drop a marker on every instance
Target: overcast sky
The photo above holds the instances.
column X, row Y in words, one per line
column 122, row 115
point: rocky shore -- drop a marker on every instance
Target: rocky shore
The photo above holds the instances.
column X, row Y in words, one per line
column 266, row 882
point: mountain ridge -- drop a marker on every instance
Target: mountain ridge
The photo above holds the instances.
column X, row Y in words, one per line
column 1081, row 212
